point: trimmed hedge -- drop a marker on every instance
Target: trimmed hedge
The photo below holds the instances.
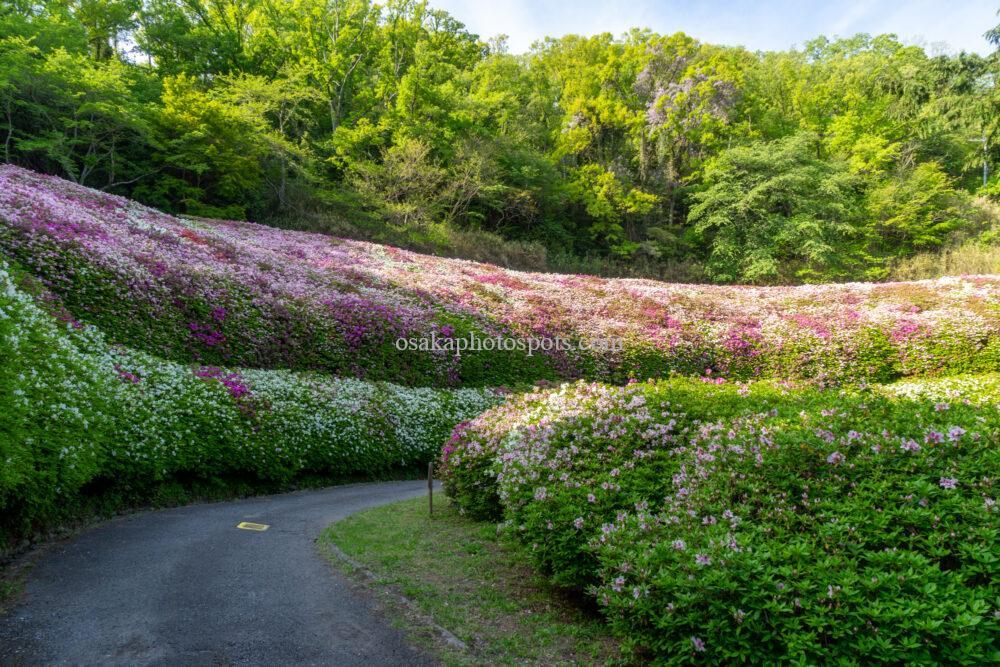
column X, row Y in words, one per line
column 240, row 294
column 766, row 522
column 79, row 415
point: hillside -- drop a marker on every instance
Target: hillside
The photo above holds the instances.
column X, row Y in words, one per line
column 89, row 426
column 639, row 151
column 146, row 358
column 765, row 522
column 700, row 335
column 242, row 294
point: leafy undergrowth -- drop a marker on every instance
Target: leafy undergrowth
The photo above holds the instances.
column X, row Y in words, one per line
column 483, row 591
column 89, row 426
column 239, row 294
column 11, row 586
column 764, row 521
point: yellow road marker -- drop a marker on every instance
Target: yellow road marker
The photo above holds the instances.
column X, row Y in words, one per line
column 246, row 525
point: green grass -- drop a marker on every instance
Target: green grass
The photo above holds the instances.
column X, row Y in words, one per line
column 457, row 573
column 8, row 591
column 13, row 577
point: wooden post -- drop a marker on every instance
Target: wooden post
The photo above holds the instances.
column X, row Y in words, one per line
column 430, row 488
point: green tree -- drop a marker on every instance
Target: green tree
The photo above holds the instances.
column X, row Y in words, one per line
column 613, row 206
column 914, row 211
column 620, row 147
column 210, row 153
column 67, row 114
column 406, row 183
column 279, row 111
column 106, row 22
column 197, row 37
column 775, row 211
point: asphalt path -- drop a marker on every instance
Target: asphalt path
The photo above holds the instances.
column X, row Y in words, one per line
column 184, row 586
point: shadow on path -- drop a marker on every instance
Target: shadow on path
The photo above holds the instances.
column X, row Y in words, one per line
column 185, row 586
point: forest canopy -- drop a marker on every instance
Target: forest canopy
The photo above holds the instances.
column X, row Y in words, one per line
column 392, row 121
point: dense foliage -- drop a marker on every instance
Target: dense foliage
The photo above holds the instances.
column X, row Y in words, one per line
column 241, row 294
column 730, row 523
column 80, row 415
column 391, row 121
column 711, row 518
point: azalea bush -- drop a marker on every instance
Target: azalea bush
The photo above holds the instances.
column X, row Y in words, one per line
column 80, row 415
column 725, row 522
column 240, row 294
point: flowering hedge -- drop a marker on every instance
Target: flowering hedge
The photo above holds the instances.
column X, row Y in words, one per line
column 79, row 414
column 757, row 522
column 240, row 294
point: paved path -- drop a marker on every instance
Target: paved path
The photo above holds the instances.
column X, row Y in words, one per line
column 185, row 587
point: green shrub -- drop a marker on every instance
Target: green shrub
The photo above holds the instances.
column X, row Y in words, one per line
column 80, row 415
column 757, row 523
column 238, row 294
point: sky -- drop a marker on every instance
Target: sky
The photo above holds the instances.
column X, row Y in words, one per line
column 950, row 26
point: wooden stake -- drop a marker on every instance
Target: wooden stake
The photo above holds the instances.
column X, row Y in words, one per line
column 430, row 488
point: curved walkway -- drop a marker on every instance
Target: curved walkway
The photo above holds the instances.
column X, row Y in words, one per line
column 184, row 586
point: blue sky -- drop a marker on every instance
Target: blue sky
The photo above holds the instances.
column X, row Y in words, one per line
column 766, row 24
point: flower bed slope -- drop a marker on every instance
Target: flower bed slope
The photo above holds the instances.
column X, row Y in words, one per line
column 241, row 294
column 760, row 522
column 80, row 415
